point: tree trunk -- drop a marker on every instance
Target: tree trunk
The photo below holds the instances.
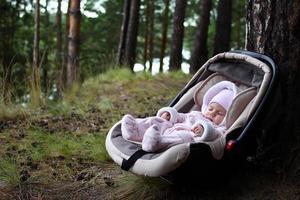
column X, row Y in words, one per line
column 273, row 29
column 73, row 46
column 123, row 33
column 44, row 62
column 164, row 35
column 223, row 27
column 151, row 33
column 132, row 32
column 146, row 36
column 36, row 87
column 177, row 36
column 59, row 53
column 200, row 51
column 65, row 51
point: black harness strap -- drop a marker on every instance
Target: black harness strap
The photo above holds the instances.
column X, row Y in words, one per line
column 127, row 164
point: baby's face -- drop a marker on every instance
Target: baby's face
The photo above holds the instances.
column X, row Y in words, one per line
column 215, row 113
column 166, row 116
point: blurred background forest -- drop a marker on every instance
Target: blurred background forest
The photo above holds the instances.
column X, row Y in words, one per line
column 48, row 45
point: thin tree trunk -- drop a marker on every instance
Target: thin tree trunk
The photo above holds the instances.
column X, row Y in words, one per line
column 123, row 33
column 73, row 46
column 66, row 51
column 223, row 27
column 146, row 36
column 59, row 53
column 200, row 51
column 45, row 83
column 273, row 29
column 164, row 34
column 36, row 88
column 151, row 33
column 132, row 32
column 177, row 36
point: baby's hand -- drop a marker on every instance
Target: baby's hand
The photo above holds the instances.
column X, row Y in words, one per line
column 198, row 129
column 166, row 116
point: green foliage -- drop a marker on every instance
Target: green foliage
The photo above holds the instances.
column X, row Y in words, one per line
column 9, row 172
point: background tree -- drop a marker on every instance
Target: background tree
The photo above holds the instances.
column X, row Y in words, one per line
column 35, row 77
column 177, row 35
column 200, row 52
column 45, row 64
column 146, row 33
column 59, row 53
column 164, row 34
column 149, row 34
column 273, row 29
column 131, row 39
column 123, row 32
column 223, row 26
column 73, row 45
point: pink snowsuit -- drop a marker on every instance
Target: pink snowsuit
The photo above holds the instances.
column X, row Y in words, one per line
column 156, row 133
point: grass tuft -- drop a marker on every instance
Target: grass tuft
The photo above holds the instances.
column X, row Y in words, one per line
column 9, row 112
column 9, row 172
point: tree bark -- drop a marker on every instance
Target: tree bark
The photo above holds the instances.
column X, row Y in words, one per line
column 200, row 52
column 151, row 33
column 123, row 32
column 36, row 87
column 146, row 35
column 44, row 62
column 164, row 35
column 131, row 38
column 73, row 45
column 59, row 53
column 63, row 75
column 223, row 26
column 273, row 29
column 177, row 36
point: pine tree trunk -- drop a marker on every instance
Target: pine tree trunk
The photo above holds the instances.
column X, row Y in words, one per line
column 223, row 27
column 36, row 88
column 132, row 32
column 59, row 53
column 146, row 35
column 65, row 51
column 73, row 46
column 151, row 33
column 164, row 34
column 273, row 29
column 44, row 62
column 200, row 52
column 123, row 33
column 177, row 36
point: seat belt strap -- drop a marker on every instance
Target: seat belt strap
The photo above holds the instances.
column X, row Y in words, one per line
column 127, row 164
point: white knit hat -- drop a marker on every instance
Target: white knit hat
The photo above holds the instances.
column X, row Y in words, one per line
column 223, row 93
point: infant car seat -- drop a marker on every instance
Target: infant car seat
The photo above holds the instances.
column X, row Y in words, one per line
column 257, row 80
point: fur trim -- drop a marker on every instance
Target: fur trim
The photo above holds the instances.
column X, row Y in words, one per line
column 209, row 132
column 172, row 111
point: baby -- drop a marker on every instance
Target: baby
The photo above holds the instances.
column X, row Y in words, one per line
column 169, row 127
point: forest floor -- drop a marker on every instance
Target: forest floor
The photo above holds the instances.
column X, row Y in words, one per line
column 58, row 151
